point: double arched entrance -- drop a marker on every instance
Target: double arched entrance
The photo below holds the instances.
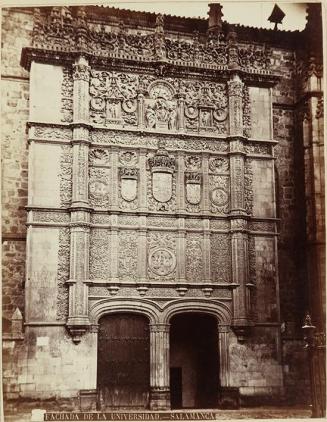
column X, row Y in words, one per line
column 159, row 366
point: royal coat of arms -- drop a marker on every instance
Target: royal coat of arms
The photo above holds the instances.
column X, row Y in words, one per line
column 162, row 168
column 193, row 188
column 128, row 180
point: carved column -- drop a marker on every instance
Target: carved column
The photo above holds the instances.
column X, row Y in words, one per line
column 159, row 367
column 78, row 320
column 223, row 343
column 240, row 258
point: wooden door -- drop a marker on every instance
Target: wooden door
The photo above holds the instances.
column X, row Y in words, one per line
column 123, row 361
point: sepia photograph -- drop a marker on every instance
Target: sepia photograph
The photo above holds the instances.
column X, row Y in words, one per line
column 163, row 211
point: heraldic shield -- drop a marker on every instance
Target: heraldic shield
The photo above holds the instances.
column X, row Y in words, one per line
column 193, row 188
column 128, row 187
column 162, row 186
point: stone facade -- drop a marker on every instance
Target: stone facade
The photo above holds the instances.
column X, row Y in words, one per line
column 165, row 175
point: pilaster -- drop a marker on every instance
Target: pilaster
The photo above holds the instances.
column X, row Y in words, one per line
column 206, row 251
column 114, row 178
column 223, row 343
column 114, row 242
column 142, row 180
column 206, row 201
column 181, row 241
column 142, row 251
column 78, row 319
column 180, row 182
column 159, row 367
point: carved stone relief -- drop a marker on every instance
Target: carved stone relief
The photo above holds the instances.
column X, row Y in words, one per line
column 51, row 217
column 52, row 133
column 162, row 181
column 220, row 256
column 128, row 158
column 128, row 185
column 99, row 157
column 63, row 273
column 113, row 98
column 246, row 112
column 100, row 254
column 194, row 258
column 160, row 107
column 161, row 255
column 150, row 141
column 193, row 191
column 248, row 186
column 67, row 96
column 219, row 194
column 66, row 164
column 99, row 187
column 219, row 165
column 127, row 262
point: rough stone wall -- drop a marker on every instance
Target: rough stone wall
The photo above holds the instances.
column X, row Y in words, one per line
column 16, row 33
column 290, row 210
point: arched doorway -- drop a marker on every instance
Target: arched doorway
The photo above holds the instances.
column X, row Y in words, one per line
column 194, row 361
column 123, row 375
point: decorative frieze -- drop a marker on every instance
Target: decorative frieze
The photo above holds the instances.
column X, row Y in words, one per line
column 67, row 96
column 66, row 171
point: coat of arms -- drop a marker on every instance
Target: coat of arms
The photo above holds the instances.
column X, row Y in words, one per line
column 162, row 169
column 193, row 188
column 128, row 180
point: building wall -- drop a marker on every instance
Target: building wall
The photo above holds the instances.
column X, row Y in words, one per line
column 260, row 366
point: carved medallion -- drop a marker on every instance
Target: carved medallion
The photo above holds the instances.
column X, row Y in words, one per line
column 98, row 189
column 219, row 196
column 128, row 158
column 162, row 261
column 193, row 188
column 128, row 179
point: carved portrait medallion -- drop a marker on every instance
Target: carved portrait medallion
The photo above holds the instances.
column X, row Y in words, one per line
column 219, row 196
column 162, row 261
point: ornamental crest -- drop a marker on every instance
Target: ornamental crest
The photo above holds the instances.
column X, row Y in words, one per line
column 162, row 168
column 128, row 183
column 193, row 188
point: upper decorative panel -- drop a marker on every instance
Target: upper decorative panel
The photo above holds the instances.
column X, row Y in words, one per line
column 72, row 29
column 169, row 104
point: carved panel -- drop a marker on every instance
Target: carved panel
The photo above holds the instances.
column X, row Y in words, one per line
column 194, row 258
column 63, row 273
column 128, row 220
column 113, row 98
column 99, row 187
column 128, row 186
column 262, row 226
column 100, row 254
column 161, row 255
column 246, row 112
column 52, row 133
column 66, row 164
column 100, row 219
column 193, row 191
column 51, row 217
column 99, row 157
column 219, row 224
column 219, row 194
column 128, row 158
column 220, row 255
column 161, row 222
column 248, row 186
column 219, row 165
column 192, row 223
column 127, row 138
column 127, row 263
column 257, row 148
column 67, row 96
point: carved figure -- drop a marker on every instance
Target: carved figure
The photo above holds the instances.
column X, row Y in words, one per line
column 150, row 117
column 161, row 110
column 205, row 118
column 172, row 117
